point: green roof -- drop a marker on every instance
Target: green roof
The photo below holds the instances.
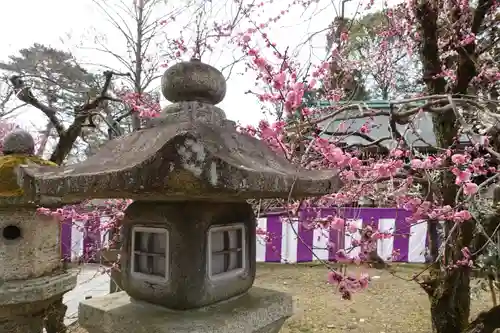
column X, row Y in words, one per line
column 380, row 128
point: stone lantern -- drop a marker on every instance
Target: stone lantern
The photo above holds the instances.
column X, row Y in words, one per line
column 188, row 255
column 32, row 279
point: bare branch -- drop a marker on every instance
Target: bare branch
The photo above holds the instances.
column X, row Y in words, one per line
column 24, row 94
column 67, row 137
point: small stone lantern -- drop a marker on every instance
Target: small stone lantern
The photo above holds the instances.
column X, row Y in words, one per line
column 32, row 280
column 189, row 236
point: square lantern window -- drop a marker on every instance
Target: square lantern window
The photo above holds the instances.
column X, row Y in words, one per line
column 150, row 253
column 226, row 251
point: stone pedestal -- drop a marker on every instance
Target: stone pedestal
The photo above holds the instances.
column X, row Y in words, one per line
column 258, row 311
column 27, row 324
column 24, row 303
column 32, row 281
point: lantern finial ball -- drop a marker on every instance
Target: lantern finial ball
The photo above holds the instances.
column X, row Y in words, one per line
column 18, row 142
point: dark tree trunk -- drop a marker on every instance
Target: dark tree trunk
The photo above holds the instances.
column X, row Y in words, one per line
column 486, row 322
column 54, row 319
column 450, row 301
column 115, row 283
column 433, row 242
column 448, row 289
column 376, row 261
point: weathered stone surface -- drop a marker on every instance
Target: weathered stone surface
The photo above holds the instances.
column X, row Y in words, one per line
column 190, row 111
column 188, row 285
column 23, row 324
column 193, row 81
column 13, row 313
column 25, row 303
column 273, row 327
column 30, row 247
column 260, row 310
column 189, row 160
column 36, row 289
column 32, row 281
column 18, row 142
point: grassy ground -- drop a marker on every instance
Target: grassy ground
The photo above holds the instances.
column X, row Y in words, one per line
column 389, row 305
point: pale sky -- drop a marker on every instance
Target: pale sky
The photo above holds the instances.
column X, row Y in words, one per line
column 24, row 22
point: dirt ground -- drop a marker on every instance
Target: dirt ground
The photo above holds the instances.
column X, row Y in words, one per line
column 389, row 305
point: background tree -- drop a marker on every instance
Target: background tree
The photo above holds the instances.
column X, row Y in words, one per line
column 387, row 66
column 486, row 83
column 55, row 79
column 140, row 25
column 53, row 82
column 54, row 76
column 344, row 82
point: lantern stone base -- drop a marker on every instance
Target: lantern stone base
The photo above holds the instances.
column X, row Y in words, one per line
column 27, row 324
column 258, row 311
column 19, row 292
column 25, row 303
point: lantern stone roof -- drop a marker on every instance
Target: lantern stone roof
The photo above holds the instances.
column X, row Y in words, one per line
column 190, row 152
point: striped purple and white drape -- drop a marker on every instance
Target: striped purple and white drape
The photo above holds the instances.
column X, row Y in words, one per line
column 289, row 241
